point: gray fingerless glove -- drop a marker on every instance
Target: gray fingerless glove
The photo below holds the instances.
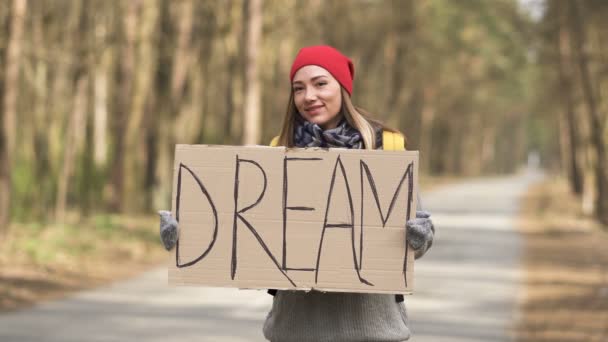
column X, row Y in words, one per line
column 169, row 229
column 420, row 233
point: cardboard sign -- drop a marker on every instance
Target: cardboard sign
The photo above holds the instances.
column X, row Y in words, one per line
column 270, row 217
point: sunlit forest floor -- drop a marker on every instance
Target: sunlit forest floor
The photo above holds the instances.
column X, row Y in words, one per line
column 40, row 262
column 566, row 257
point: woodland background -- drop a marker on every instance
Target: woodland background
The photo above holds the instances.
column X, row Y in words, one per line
column 95, row 94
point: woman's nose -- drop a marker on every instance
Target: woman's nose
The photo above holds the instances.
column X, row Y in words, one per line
column 311, row 95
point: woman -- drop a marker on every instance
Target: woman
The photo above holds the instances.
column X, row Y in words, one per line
column 320, row 113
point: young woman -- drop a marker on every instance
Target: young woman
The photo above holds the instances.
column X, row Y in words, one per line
column 320, row 113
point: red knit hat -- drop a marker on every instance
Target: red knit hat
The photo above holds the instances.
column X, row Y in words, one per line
column 338, row 65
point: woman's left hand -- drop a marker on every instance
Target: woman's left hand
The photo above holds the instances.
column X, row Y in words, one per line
column 420, row 233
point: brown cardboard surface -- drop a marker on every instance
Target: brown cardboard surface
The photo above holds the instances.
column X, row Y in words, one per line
column 270, row 217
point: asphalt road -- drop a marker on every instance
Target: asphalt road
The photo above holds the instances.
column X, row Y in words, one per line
column 466, row 286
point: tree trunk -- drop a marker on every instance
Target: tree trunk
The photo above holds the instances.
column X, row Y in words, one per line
column 74, row 138
column 402, row 34
column 252, row 81
column 125, row 66
column 488, row 149
column 594, row 117
column 100, row 94
column 232, row 44
column 41, row 129
column 183, row 53
column 572, row 146
column 134, row 153
column 427, row 116
column 588, row 198
column 9, row 109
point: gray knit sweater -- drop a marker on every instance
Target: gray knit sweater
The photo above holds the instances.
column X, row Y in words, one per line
column 328, row 316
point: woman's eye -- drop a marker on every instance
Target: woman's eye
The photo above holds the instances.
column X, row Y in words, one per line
column 320, row 84
column 295, row 90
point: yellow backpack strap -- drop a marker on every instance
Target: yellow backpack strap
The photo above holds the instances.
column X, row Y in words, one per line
column 392, row 141
column 274, row 142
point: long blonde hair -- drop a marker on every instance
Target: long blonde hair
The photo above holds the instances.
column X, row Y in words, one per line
column 358, row 118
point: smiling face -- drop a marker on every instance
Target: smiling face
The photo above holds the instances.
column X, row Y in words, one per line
column 317, row 96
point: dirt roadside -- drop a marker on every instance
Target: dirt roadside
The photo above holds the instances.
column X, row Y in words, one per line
column 566, row 277
column 43, row 262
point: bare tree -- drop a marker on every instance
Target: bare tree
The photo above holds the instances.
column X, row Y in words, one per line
column 9, row 109
column 74, row 139
column 134, row 154
column 252, row 82
column 591, row 100
column 125, row 72
column 74, row 134
column 573, row 146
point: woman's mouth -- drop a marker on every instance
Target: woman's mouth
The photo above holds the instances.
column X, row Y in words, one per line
column 314, row 109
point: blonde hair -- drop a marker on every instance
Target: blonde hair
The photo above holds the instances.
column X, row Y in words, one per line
column 358, row 118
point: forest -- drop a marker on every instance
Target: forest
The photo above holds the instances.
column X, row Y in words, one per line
column 94, row 95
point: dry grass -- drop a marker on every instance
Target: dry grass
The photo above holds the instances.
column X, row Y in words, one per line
column 40, row 262
column 566, row 258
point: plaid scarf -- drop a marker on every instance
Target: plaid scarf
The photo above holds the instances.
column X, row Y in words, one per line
column 308, row 134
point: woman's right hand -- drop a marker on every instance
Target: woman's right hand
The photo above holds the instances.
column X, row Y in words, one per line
column 169, row 229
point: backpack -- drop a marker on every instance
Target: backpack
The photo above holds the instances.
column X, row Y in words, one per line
column 391, row 141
